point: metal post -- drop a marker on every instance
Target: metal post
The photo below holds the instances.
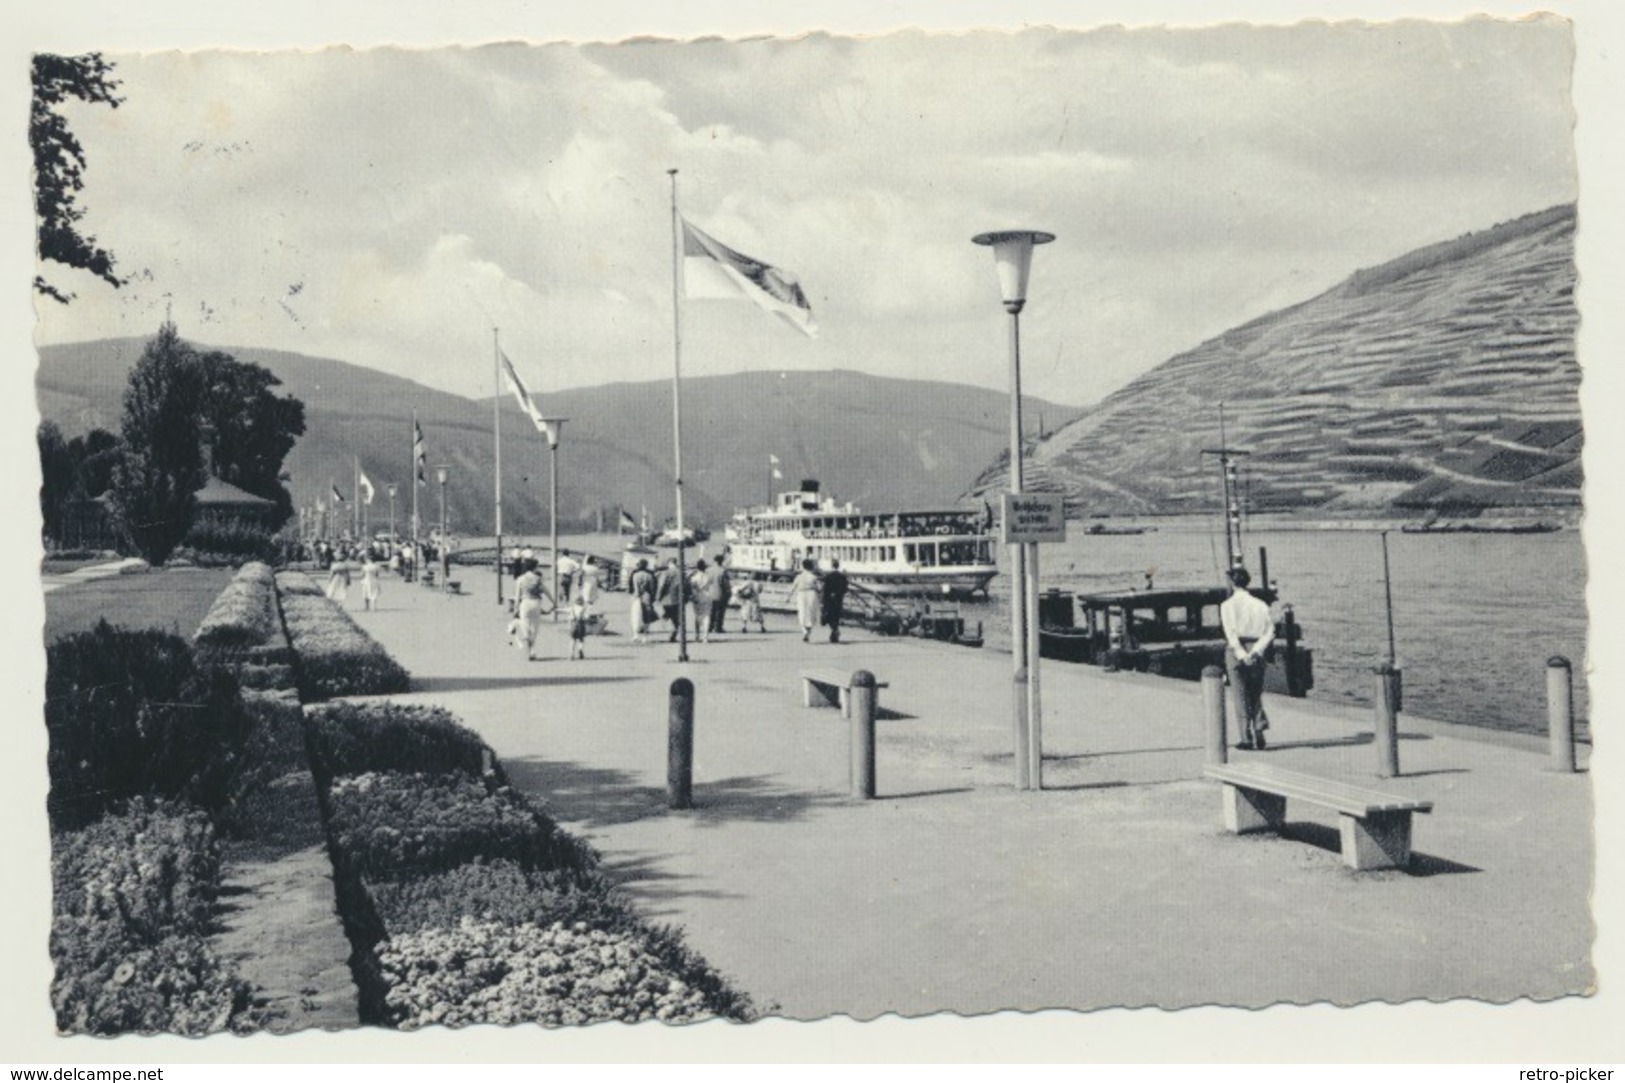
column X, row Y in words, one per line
column 1035, row 710
column 1213, row 729
column 1019, row 617
column 680, row 745
column 1388, row 601
column 1560, row 713
column 862, row 739
column 553, row 520
column 445, row 564
column 1387, row 720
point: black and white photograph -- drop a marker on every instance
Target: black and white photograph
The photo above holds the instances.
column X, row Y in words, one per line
column 555, row 530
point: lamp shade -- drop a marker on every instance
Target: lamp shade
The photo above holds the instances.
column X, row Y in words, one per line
column 442, row 473
column 552, row 428
column 1013, row 258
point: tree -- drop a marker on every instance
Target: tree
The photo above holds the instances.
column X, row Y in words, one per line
column 59, row 164
column 56, row 476
column 246, row 429
column 156, row 480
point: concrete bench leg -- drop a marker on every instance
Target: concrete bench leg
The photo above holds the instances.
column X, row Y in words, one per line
column 828, row 695
column 1381, row 840
column 1246, row 811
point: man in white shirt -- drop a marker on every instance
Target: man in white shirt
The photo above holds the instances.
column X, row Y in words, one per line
column 1248, row 631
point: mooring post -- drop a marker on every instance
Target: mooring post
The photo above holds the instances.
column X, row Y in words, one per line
column 680, row 745
column 862, row 731
column 1387, row 720
column 1560, row 713
column 1213, row 715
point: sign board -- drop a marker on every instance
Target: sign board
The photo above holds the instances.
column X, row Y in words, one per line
column 1033, row 517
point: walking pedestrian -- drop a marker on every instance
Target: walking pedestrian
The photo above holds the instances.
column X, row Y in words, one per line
column 702, row 584
column 1248, row 632
column 534, row 603
column 834, row 597
column 805, row 589
column 724, row 592
column 338, row 578
column 369, row 582
column 750, row 606
column 642, row 589
column 671, row 594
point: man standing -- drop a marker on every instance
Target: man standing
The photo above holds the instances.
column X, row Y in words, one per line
column 834, row 596
column 1248, row 631
column 670, row 592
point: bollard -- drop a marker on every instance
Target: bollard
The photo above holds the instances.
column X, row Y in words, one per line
column 1386, row 703
column 680, row 745
column 1560, row 713
column 863, row 693
column 1213, row 715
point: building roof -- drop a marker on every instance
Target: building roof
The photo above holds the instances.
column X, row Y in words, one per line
column 223, row 494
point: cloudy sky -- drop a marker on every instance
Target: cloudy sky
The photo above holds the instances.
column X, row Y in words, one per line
column 389, row 207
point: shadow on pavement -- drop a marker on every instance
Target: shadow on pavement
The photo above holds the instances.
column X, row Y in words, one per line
column 494, row 684
column 1328, row 838
column 603, row 797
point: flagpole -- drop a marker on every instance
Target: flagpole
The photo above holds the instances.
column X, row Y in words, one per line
column 355, row 502
column 677, row 414
column 496, row 429
column 413, row 564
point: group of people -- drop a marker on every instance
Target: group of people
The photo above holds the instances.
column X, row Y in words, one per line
column 532, row 601
column 704, row 591
column 342, row 564
column 819, row 598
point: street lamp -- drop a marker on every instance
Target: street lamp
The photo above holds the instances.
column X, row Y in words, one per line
column 391, row 488
column 1013, row 259
column 553, row 427
column 441, row 473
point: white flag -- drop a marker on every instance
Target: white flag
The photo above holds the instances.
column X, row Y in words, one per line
column 366, row 487
column 772, row 459
column 778, row 474
column 713, row 270
column 521, row 393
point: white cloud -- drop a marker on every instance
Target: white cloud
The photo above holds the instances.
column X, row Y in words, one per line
column 417, row 198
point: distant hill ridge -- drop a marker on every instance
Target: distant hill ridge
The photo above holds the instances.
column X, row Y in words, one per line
column 1443, row 382
column 880, row 442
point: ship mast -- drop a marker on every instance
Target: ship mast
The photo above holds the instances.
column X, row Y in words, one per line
column 1232, row 495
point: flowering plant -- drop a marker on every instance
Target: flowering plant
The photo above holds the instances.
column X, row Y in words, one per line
column 334, row 656
column 494, row 972
column 349, row 738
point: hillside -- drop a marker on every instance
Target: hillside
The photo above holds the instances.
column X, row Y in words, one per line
column 875, row 441
column 1442, row 382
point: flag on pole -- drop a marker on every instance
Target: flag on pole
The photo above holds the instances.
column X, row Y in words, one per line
column 420, row 454
column 510, row 376
column 778, row 475
column 713, row 270
column 628, row 526
column 366, row 487
column 772, row 459
column 338, row 497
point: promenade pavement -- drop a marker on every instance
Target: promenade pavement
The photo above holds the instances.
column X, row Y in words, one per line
column 1114, row 886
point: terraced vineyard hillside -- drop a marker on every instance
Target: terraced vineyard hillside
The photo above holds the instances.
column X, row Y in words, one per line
column 1443, row 383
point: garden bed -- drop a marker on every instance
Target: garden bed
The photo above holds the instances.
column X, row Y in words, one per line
column 466, row 904
column 332, row 656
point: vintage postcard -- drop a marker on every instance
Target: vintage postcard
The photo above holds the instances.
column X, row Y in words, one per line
column 879, row 526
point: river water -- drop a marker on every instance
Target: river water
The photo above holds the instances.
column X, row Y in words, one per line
column 1476, row 616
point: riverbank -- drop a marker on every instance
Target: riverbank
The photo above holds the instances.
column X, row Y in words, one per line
column 1116, row 886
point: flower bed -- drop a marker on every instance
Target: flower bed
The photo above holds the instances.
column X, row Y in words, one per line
column 332, row 655
column 465, row 904
column 131, row 904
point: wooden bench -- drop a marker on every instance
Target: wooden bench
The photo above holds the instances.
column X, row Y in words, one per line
column 1375, row 827
column 831, row 688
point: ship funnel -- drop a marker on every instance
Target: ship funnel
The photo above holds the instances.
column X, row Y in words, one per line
column 809, row 485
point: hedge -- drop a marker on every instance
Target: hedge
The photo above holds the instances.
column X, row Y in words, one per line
column 130, row 712
column 351, row 738
column 245, row 612
column 131, row 903
column 332, row 655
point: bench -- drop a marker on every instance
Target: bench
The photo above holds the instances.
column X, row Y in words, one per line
column 833, row 688
column 1375, row 827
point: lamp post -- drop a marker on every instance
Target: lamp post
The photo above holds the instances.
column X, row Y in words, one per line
column 393, row 537
column 1013, row 257
column 554, row 429
column 441, row 473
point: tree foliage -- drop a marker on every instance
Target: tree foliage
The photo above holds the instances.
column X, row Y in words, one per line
column 156, row 480
column 76, row 469
column 189, row 414
column 59, row 163
column 247, row 430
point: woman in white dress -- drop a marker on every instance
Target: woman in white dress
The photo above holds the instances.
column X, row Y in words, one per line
column 805, row 588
